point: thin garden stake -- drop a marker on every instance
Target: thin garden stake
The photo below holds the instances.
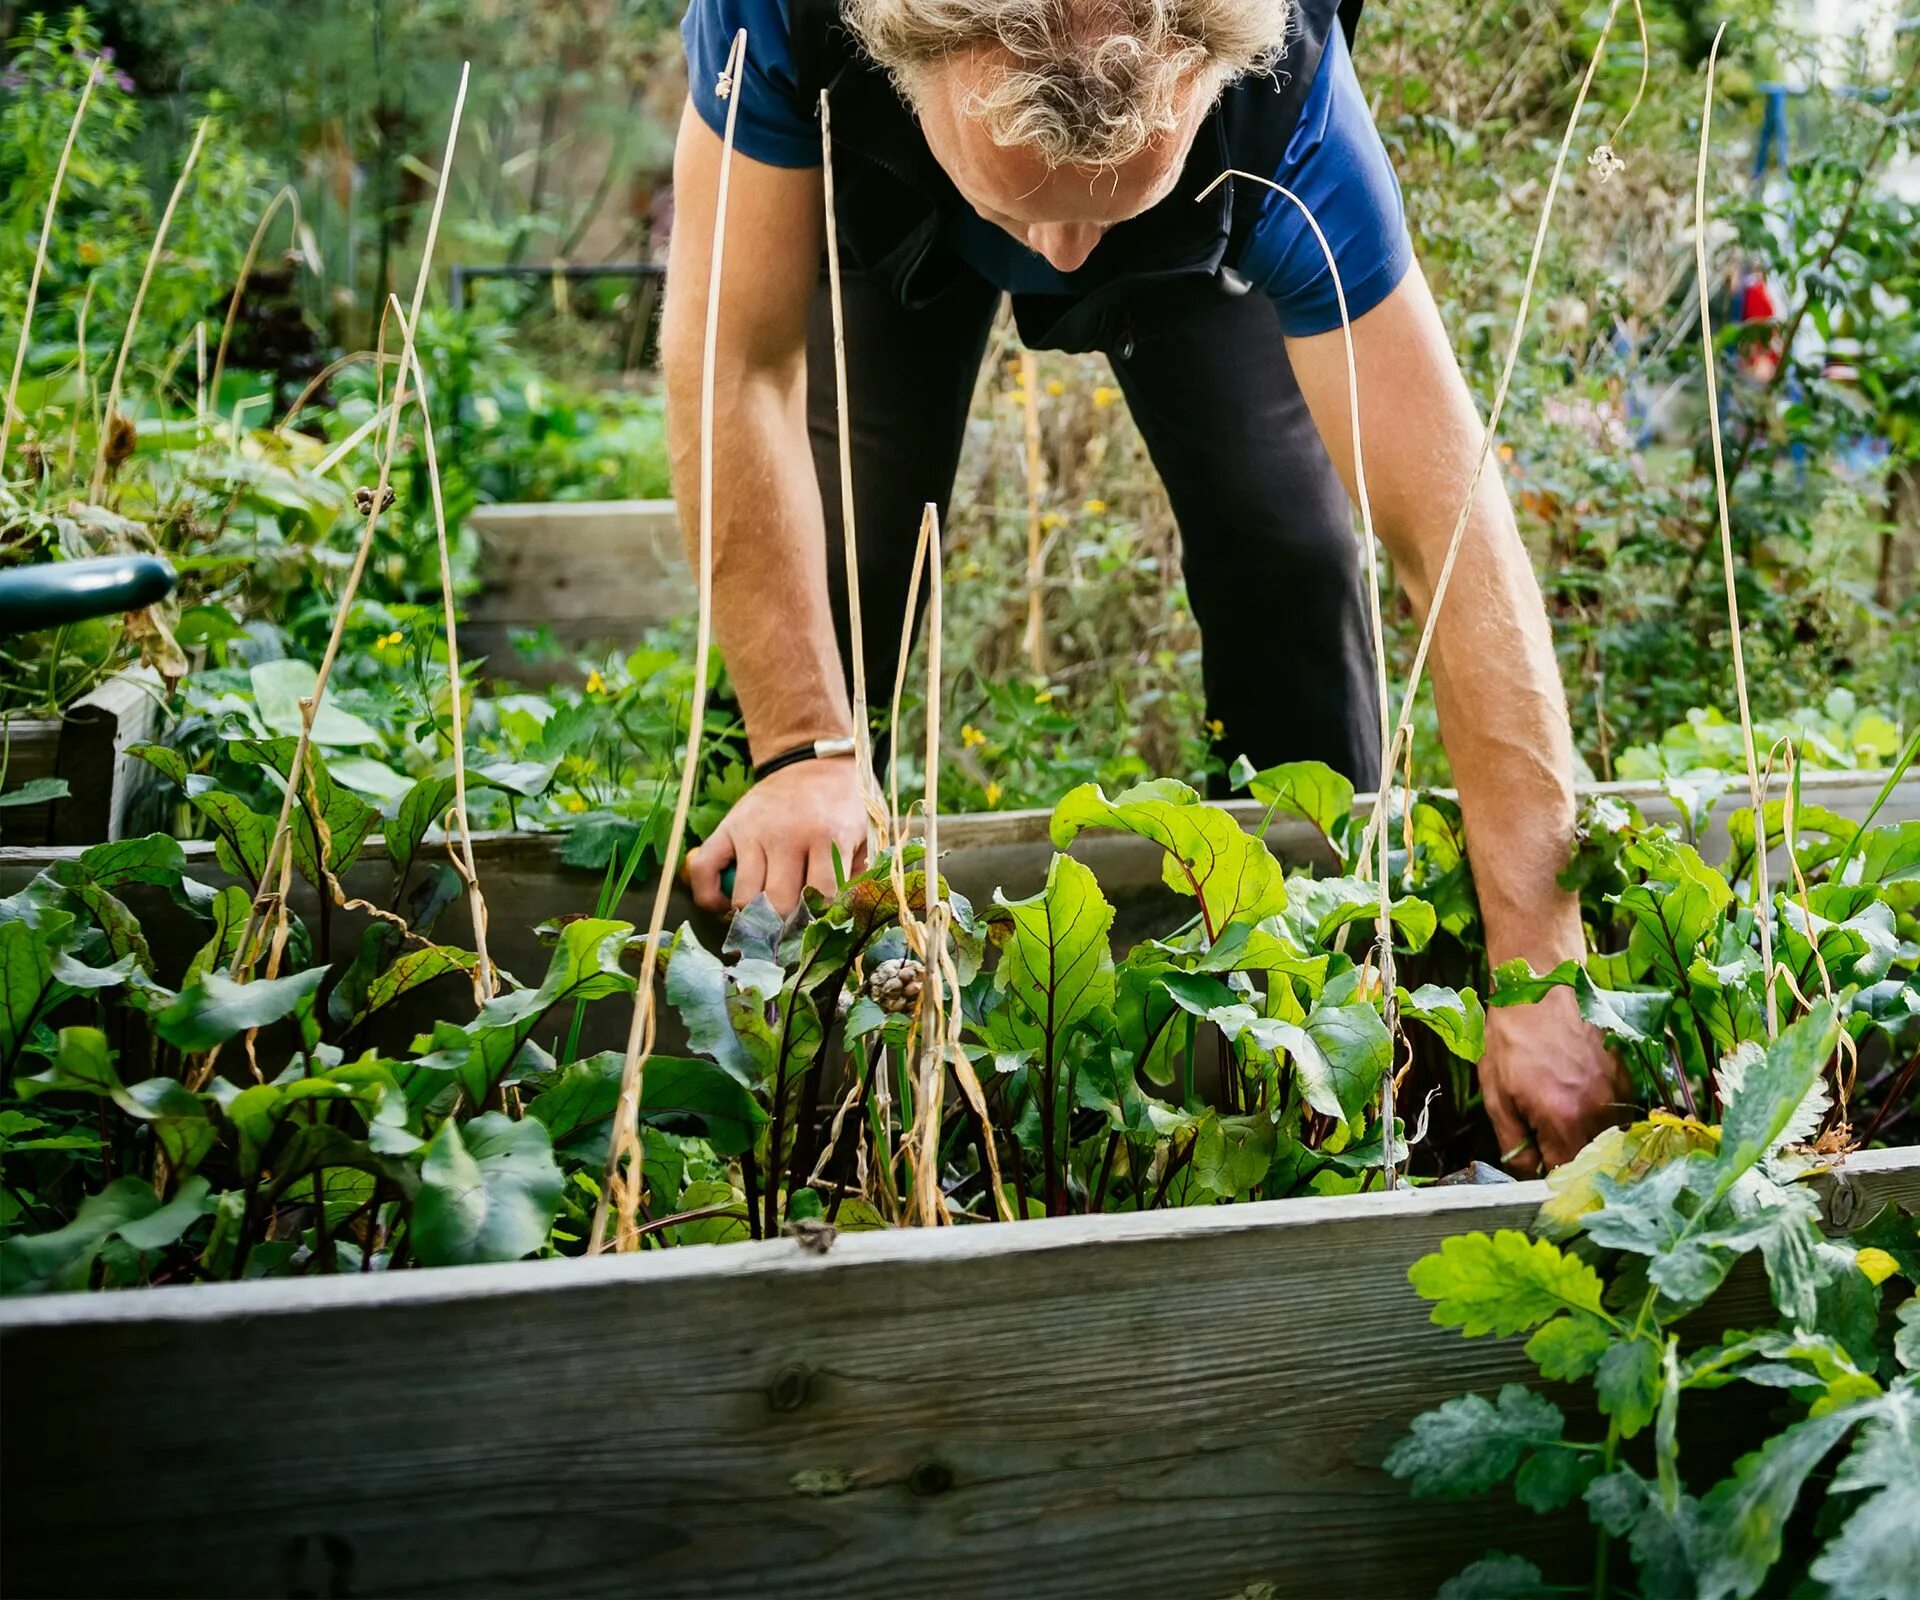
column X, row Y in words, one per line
column 40, row 260
column 1762, row 897
column 139, row 300
column 625, row 1174
column 862, row 722
column 1383, row 923
column 1036, row 642
column 285, row 196
column 485, row 983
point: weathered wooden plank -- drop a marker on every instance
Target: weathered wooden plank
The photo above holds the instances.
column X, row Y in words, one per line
column 592, row 572
column 1174, row 1404
column 108, row 796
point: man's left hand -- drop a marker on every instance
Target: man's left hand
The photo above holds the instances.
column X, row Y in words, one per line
column 1548, row 1082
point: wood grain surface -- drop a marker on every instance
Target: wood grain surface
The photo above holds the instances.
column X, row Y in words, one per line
column 1178, row 1405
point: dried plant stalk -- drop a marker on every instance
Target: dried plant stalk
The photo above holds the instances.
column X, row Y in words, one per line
column 1035, row 642
column 139, row 301
column 625, row 1175
column 285, row 196
column 862, row 721
column 485, row 982
column 1762, row 895
column 1383, row 914
column 40, row 261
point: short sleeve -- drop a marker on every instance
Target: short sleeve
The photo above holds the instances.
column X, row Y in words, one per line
column 770, row 126
column 1337, row 165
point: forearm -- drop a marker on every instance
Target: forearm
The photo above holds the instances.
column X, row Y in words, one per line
column 1503, row 720
column 770, row 609
column 1502, row 713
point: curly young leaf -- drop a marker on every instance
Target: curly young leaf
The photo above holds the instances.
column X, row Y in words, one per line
column 1233, row 875
column 1503, row 1283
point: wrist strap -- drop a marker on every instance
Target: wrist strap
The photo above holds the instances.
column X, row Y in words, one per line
column 817, row 750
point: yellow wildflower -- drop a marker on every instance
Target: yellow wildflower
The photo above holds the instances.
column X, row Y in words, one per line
column 1216, row 727
column 1104, row 396
column 1094, row 508
column 1056, row 388
column 574, row 802
column 1051, row 519
column 596, row 684
column 993, row 794
column 1043, row 697
column 971, row 738
column 388, row 640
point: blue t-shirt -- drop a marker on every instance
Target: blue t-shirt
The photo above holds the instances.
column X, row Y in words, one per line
column 1334, row 162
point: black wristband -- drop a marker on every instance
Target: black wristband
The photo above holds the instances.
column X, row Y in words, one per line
column 817, row 750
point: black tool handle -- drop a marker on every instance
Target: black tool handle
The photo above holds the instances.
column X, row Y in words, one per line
column 57, row 592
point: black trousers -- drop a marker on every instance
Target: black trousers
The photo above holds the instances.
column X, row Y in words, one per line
column 1272, row 565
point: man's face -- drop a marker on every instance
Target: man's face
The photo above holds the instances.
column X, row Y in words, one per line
column 1056, row 212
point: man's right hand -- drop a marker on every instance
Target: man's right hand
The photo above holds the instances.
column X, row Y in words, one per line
column 781, row 835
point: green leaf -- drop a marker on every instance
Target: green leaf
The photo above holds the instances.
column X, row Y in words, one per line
column 157, row 859
column 1745, row 1516
column 1349, row 1053
column 1455, row 1015
column 1628, row 1384
column 1503, row 1283
column 280, row 686
column 673, row 1091
column 699, row 987
column 1498, row 1577
column 26, row 982
column 1318, row 908
column 1763, row 1108
column 1515, row 983
column 127, row 1208
column 231, row 909
column 1056, row 967
column 420, row 808
column 1470, row 1444
column 325, row 811
column 215, row 1008
column 1876, row 1554
column 488, row 1193
column 1310, row 790
column 1681, row 902
column 412, row 969
column 1570, row 1347
column 1232, row 873
column 36, row 792
column 1550, row 1479
column 1634, row 1015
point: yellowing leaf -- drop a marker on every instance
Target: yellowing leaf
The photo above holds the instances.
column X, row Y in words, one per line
column 1503, row 1283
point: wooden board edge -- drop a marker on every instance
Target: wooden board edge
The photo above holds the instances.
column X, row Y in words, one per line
column 1868, row 1178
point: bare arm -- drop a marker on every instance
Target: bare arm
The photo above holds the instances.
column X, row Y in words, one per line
column 1502, row 711
column 771, row 614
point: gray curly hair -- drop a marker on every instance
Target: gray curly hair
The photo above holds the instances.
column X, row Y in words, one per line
column 1094, row 81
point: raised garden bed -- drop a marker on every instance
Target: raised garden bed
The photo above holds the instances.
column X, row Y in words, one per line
column 108, row 796
column 587, row 571
column 1190, row 1403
